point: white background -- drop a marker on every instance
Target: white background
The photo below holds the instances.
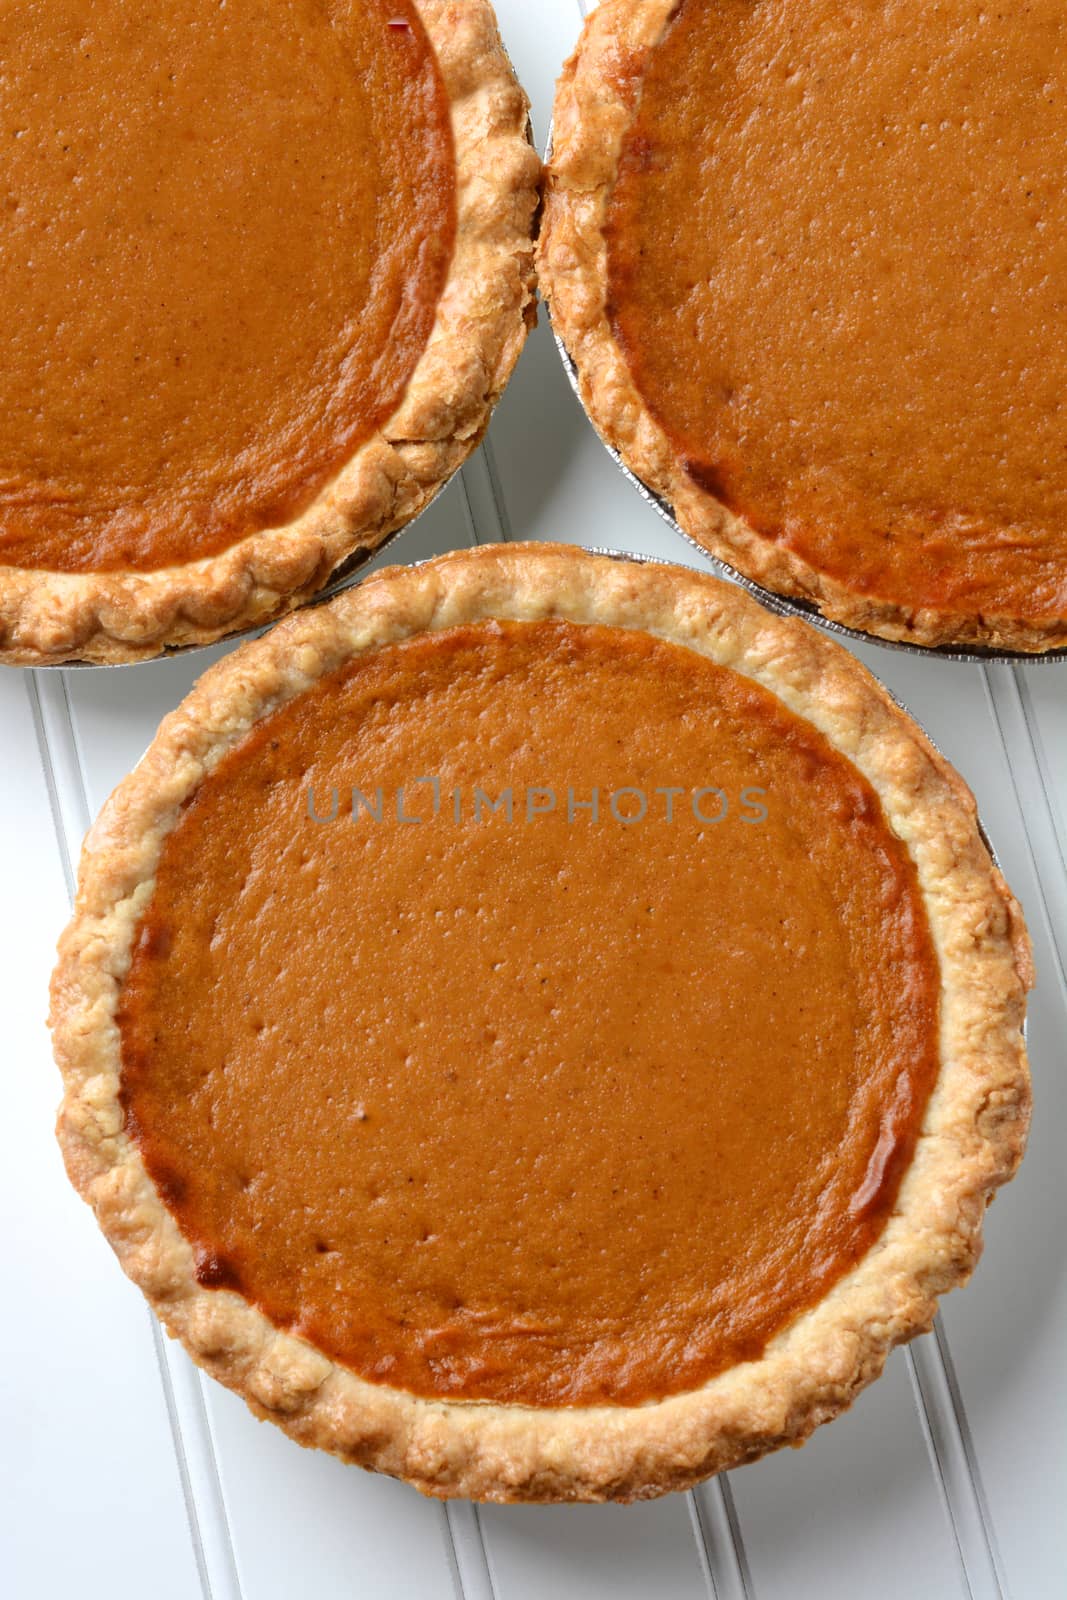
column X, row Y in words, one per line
column 125, row 1474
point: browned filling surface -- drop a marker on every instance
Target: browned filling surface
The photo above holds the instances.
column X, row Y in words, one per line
column 537, row 1107
column 837, row 255
column 225, row 229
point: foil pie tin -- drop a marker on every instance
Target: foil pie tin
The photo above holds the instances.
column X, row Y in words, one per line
column 782, row 605
column 345, row 576
column 786, row 605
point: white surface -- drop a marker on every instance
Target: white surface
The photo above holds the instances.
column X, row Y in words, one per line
column 125, row 1474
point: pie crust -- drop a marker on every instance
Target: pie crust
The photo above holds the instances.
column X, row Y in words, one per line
column 597, row 94
column 483, row 316
column 971, row 1139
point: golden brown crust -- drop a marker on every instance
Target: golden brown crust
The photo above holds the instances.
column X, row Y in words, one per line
column 971, row 1140
column 483, row 317
column 595, row 102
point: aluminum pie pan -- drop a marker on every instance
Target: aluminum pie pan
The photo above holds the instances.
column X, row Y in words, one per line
column 782, row 605
column 346, row 575
column 787, row 605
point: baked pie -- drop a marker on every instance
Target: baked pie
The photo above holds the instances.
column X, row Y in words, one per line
column 266, row 267
column 808, row 258
column 541, row 1026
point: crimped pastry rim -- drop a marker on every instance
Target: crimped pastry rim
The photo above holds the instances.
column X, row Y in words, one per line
column 595, row 99
column 971, row 1140
column 788, row 605
column 484, row 314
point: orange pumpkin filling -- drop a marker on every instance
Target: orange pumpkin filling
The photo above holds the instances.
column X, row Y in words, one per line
column 524, row 1101
column 225, row 233
column 837, row 248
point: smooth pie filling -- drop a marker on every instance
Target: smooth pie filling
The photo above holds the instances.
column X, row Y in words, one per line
column 837, row 251
column 225, row 233
column 530, row 1104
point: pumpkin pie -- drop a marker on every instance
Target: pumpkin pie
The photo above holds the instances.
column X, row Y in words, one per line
column 808, row 258
column 266, row 267
column 541, row 1026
